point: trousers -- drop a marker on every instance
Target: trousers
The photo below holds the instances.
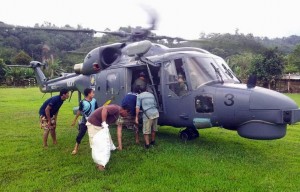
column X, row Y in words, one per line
column 81, row 133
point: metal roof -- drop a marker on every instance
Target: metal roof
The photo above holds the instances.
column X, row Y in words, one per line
column 291, row 76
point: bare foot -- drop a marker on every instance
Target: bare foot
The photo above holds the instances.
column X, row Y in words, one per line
column 100, row 167
column 119, row 148
column 74, row 152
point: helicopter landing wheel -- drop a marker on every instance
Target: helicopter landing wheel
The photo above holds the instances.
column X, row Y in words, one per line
column 188, row 134
column 183, row 136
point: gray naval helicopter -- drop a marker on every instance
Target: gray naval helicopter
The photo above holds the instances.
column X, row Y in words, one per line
column 207, row 95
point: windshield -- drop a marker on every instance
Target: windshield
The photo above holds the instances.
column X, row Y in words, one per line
column 226, row 70
column 204, row 70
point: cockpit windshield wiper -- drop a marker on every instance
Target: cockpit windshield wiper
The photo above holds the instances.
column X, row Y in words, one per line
column 227, row 71
column 217, row 72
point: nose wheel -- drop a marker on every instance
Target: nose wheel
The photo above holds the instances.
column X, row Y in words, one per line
column 188, row 134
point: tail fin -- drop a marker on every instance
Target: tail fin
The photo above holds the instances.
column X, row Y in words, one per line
column 40, row 77
column 36, row 66
column 54, row 85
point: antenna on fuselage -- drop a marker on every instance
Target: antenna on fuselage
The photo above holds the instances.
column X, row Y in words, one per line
column 251, row 83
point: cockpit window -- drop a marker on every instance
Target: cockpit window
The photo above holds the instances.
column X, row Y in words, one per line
column 225, row 68
column 204, row 70
column 176, row 77
column 200, row 71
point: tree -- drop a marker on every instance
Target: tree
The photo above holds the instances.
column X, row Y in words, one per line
column 2, row 70
column 219, row 52
column 12, row 42
column 241, row 64
column 226, row 45
column 22, row 58
column 53, row 69
column 268, row 67
column 7, row 54
column 293, row 61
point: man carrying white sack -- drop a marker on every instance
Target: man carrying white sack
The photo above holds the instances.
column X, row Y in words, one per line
column 99, row 136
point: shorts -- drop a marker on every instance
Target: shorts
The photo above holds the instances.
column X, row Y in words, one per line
column 127, row 121
column 149, row 125
column 44, row 123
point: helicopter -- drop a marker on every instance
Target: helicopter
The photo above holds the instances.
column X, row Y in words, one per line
column 214, row 96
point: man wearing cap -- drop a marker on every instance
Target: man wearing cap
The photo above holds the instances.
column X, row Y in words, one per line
column 140, row 82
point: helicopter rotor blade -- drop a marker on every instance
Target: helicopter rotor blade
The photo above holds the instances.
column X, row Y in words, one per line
column 32, row 64
column 159, row 37
column 49, row 29
column 153, row 18
column 23, row 66
column 116, row 33
column 199, row 40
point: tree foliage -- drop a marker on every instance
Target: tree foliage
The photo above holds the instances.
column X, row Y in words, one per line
column 293, row 61
column 15, row 76
column 22, row 58
column 268, row 67
column 285, row 44
column 226, row 45
column 2, row 70
column 241, row 64
column 53, row 69
column 7, row 54
column 33, row 42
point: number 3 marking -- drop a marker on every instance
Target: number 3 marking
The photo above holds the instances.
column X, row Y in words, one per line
column 229, row 99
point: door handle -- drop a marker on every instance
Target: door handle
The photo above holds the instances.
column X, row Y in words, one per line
column 184, row 116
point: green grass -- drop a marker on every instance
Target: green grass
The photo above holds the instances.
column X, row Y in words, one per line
column 219, row 160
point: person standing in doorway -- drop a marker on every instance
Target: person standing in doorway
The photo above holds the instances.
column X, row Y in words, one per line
column 140, row 82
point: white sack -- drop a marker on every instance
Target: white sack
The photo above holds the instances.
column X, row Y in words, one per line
column 101, row 147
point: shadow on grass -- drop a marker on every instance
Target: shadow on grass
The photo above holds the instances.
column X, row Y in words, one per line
column 218, row 141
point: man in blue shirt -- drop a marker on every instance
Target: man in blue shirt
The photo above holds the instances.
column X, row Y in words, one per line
column 86, row 107
column 129, row 121
column 48, row 115
column 147, row 101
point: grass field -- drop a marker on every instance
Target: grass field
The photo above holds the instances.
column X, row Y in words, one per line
column 219, row 160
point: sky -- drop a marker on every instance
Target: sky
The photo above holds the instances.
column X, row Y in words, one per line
column 180, row 18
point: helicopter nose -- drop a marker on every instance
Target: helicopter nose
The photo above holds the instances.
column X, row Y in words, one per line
column 270, row 112
column 262, row 99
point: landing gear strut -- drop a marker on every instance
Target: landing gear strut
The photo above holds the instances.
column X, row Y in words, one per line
column 188, row 134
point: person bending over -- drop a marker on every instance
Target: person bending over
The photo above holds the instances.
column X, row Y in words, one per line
column 102, row 117
column 48, row 115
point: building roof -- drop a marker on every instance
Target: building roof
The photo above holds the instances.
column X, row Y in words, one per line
column 291, row 76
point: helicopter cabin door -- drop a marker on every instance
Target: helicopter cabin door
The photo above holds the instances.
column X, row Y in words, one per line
column 112, row 89
column 176, row 93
